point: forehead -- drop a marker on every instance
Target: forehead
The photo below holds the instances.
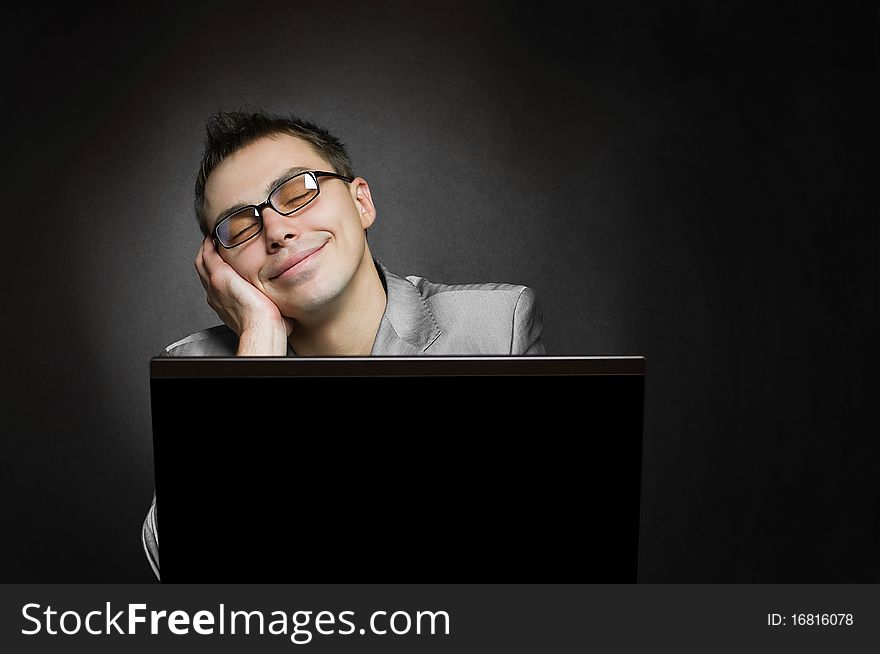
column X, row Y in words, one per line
column 241, row 178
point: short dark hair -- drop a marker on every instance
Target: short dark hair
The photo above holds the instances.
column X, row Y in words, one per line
column 226, row 132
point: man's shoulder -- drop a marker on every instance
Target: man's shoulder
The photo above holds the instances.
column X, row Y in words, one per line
column 485, row 318
column 218, row 341
column 488, row 297
column 484, row 308
column 437, row 291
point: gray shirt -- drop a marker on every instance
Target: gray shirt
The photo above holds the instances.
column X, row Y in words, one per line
column 421, row 318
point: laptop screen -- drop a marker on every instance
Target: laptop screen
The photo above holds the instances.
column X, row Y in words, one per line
column 391, row 469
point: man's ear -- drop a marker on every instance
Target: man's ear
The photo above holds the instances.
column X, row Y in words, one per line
column 364, row 201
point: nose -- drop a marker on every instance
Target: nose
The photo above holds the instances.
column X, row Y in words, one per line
column 278, row 229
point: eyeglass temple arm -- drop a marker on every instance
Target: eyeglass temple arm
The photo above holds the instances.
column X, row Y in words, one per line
column 323, row 174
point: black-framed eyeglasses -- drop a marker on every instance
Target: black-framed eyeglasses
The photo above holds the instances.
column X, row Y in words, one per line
column 288, row 197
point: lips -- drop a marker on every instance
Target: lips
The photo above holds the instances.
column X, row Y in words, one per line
column 290, row 262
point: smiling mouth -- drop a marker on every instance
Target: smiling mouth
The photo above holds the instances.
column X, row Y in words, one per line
column 295, row 260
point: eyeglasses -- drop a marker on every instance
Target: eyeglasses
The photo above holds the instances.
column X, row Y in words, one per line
column 288, row 197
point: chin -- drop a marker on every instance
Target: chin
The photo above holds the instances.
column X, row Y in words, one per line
column 309, row 298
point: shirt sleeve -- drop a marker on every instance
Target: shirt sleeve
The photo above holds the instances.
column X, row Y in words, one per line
column 150, row 538
column 528, row 324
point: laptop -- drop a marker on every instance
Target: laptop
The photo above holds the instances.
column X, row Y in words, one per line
column 398, row 469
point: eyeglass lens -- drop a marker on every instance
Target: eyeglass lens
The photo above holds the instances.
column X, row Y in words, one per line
column 294, row 194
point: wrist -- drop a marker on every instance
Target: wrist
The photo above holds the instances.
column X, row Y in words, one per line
column 263, row 339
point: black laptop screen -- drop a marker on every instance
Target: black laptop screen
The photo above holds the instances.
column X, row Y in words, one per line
column 396, row 475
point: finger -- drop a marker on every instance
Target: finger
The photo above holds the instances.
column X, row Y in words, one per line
column 209, row 252
column 205, row 283
column 205, row 266
column 219, row 276
column 211, row 257
column 201, row 269
column 213, row 262
column 199, row 261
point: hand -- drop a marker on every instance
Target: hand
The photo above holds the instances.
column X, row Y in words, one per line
column 240, row 305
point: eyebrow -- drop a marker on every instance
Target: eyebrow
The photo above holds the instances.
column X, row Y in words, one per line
column 287, row 174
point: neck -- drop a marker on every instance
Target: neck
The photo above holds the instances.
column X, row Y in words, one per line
column 349, row 326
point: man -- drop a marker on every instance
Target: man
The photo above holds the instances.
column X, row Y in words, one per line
column 286, row 264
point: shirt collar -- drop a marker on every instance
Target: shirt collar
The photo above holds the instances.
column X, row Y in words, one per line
column 408, row 326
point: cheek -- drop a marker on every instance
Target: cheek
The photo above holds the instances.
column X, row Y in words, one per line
column 338, row 216
column 350, row 225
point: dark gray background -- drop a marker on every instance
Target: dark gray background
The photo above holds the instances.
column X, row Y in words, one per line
column 694, row 183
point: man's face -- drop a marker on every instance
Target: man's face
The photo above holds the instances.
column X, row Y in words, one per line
column 332, row 225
